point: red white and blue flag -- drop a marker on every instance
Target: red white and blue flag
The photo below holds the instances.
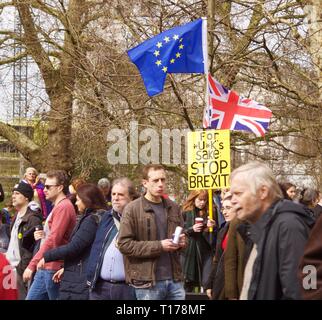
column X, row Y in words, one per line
column 227, row 110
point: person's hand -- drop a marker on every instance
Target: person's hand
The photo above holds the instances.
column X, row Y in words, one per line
column 182, row 240
column 41, row 264
column 209, row 292
column 168, row 245
column 40, row 234
column 210, row 223
column 197, row 227
column 58, row 275
column 27, row 275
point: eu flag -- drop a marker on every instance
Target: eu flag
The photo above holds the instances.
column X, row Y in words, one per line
column 178, row 50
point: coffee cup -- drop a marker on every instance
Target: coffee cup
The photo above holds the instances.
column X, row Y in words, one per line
column 198, row 220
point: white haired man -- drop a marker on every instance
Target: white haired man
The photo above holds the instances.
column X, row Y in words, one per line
column 279, row 230
column 105, row 185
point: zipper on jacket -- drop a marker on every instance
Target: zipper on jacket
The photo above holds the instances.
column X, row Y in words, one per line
column 149, row 228
column 80, row 264
column 100, row 259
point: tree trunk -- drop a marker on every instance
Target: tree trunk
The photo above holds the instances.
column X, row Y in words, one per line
column 56, row 154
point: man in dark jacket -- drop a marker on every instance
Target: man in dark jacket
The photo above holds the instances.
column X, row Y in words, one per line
column 105, row 270
column 279, row 230
column 152, row 259
column 22, row 227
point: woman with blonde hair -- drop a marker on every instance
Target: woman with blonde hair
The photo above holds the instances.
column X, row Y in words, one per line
column 31, row 177
column 200, row 250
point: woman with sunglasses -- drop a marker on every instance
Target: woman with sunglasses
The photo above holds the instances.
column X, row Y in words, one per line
column 91, row 205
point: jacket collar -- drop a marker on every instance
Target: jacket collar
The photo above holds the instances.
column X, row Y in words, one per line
column 113, row 214
column 116, row 215
column 243, row 230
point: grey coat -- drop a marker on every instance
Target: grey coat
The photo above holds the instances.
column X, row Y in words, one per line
column 280, row 234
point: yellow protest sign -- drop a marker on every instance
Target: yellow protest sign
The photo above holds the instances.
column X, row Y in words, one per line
column 208, row 159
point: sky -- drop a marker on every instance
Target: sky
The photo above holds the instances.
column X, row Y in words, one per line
column 6, row 22
column 36, row 96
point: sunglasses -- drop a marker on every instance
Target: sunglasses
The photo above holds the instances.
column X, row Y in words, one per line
column 48, row 186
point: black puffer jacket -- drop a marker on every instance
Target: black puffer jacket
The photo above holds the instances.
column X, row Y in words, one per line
column 280, row 235
column 75, row 255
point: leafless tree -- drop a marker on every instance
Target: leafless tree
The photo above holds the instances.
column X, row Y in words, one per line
column 267, row 50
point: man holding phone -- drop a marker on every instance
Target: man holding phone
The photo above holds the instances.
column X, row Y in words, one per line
column 151, row 258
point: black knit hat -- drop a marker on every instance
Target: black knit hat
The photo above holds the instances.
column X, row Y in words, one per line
column 25, row 189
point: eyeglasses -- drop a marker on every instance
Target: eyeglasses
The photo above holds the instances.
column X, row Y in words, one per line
column 48, row 186
column 226, row 208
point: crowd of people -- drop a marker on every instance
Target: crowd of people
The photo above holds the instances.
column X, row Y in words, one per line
column 75, row 240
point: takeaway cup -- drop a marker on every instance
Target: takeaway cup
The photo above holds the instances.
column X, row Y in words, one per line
column 199, row 220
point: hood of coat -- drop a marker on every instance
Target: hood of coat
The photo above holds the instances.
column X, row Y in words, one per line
column 309, row 211
column 276, row 209
column 304, row 212
column 34, row 206
column 33, row 209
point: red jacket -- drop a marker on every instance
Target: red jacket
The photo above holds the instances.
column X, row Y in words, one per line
column 7, row 277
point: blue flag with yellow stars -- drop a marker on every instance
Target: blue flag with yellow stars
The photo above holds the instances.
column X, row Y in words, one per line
column 178, row 50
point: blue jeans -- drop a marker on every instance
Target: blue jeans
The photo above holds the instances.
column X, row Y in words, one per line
column 112, row 291
column 163, row 290
column 43, row 287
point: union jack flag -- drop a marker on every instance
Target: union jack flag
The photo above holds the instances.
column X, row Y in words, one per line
column 227, row 110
